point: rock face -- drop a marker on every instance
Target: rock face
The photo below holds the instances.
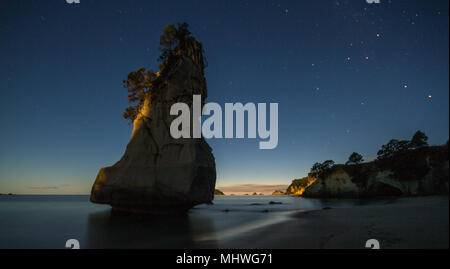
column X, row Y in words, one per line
column 157, row 173
column 298, row 186
column 417, row 172
column 336, row 184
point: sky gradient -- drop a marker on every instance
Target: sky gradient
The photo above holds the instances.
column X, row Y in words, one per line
column 348, row 76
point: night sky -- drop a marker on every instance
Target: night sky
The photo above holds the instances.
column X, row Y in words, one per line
column 348, row 76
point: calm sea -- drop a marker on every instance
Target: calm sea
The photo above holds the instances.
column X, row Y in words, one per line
column 48, row 221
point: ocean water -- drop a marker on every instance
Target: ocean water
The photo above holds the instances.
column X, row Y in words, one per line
column 48, row 221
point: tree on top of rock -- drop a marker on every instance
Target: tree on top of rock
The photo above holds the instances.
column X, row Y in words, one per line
column 319, row 168
column 419, row 140
column 392, row 147
column 355, row 158
column 171, row 37
column 140, row 83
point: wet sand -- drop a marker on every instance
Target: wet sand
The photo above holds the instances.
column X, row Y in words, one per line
column 416, row 222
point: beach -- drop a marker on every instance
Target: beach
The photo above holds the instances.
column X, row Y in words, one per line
column 415, row 222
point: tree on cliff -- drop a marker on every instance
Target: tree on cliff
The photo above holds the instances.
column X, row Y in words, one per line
column 355, row 158
column 327, row 164
column 419, row 140
column 172, row 37
column 140, row 83
column 319, row 168
column 316, row 168
column 394, row 146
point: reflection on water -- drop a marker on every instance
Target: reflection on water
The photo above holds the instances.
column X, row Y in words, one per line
column 48, row 221
column 245, row 227
column 110, row 229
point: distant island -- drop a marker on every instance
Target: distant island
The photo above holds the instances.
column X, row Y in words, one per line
column 218, row 192
column 402, row 168
column 279, row 192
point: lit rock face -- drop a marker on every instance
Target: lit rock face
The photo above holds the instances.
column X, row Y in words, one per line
column 157, row 173
column 336, row 184
column 298, row 186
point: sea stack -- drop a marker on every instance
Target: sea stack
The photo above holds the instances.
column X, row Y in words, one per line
column 159, row 174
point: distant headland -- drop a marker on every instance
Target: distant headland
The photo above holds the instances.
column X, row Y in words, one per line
column 402, row 168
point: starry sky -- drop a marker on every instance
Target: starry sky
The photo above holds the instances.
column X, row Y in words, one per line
column 348, row 76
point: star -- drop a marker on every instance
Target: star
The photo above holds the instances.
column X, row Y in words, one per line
column 405, row 86
column 378, row 35
column 430, row 96
column 286, row 11
column 367, row 57
column 348, row 58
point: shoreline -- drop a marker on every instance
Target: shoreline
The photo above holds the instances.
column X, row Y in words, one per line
column 410, row 222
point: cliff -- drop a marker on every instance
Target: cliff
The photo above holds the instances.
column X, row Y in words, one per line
column 423, row 171
column 157, row 173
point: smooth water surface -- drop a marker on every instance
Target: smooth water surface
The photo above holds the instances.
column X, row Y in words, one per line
column 48, row 221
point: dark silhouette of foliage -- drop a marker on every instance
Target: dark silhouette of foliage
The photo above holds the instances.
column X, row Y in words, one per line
column 139, row 84
column 316, row 168
column 394, row 146
column 355, row 158
column 319, row 169
column 419, row 140
column 171, row 37
column 413, row 164
column 327, row 164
